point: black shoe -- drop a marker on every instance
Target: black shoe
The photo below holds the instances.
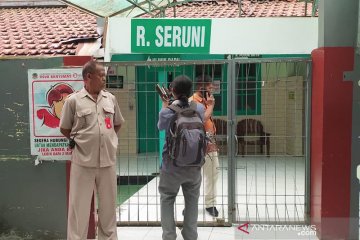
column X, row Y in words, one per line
column 212, row 211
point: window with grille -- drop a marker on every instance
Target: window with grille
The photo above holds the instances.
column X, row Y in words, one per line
column 248, row 89
column 114, row 82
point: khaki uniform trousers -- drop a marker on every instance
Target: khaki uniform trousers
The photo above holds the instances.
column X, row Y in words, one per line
column 211, row 175
column 82, row 184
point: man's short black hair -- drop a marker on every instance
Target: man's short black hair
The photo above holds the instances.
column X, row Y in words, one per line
column 203, row 80
column 182, row 86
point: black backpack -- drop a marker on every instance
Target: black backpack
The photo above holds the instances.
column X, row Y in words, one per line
column 186, row 140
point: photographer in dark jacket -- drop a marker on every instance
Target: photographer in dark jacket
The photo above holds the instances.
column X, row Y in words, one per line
column 172, row 177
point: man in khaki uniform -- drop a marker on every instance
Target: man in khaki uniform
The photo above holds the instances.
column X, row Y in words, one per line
column 92, row 118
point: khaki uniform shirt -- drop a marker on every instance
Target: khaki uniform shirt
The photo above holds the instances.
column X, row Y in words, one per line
column 92, row 123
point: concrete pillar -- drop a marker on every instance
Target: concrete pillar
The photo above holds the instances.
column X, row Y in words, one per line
column 334, row 193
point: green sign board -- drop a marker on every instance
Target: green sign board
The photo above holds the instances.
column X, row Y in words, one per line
column 170, row 35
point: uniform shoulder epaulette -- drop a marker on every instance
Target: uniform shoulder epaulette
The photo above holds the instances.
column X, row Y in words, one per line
column 108, row 92
column 71, row 94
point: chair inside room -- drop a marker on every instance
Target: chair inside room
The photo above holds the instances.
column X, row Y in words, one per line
column 221, row 135
column 251, row 132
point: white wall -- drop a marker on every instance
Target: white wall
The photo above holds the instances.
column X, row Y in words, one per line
column 264, row 35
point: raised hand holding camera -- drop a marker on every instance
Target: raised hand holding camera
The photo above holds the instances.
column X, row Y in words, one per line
column 164, row 93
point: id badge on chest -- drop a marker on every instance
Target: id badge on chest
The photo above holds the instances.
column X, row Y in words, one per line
column 108, row 122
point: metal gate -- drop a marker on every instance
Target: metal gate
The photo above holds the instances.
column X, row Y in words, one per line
column 262, row 116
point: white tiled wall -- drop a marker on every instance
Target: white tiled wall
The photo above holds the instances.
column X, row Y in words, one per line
column 127, row 101
column 282, row 114
column 295, row 116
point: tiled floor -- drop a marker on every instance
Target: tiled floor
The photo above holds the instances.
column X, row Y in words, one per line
column 154, row 233
column 266, row 189
column 217, row 233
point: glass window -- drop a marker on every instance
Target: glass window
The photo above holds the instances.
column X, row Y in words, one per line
column 248, row 89
column 115, row 82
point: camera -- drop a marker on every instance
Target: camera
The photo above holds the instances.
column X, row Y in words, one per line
column 72, row 143
column 164, row 93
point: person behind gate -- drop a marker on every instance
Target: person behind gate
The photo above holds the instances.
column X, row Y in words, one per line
column 182, row 158
column 203, row 95
column 91, row 119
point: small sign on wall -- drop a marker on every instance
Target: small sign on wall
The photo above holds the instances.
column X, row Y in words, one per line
column 291, row 95
column 217, row 86
column 113, row 80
